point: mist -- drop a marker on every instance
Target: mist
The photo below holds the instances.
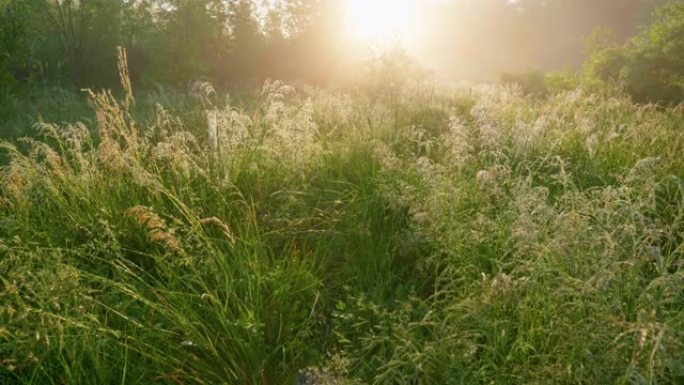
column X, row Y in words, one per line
column 480, row 39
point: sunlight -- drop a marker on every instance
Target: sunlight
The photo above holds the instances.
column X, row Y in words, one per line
column 379, row 22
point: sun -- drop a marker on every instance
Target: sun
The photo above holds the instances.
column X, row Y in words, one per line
column 379, row 22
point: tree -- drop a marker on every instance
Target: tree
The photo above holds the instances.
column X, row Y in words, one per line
column 247, row 41
column 88, row 32
column 12, row 40
column 655, row 69
column 20, row 32
column 276, row 44
column 650, row 66
column 316, row 40
column 184, row 42
column 137, row 29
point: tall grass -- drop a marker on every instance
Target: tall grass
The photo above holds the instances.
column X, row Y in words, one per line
column 430, row 236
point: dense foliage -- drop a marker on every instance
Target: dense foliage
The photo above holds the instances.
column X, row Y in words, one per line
column 238, row 42
column 650, row 66
column 394, row 232
column 169, row 41
column 423, row 236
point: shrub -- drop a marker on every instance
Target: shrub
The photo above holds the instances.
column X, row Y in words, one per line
column 650, row 66
column 531, row 82
column 555, row 82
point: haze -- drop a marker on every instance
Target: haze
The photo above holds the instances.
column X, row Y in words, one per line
column 479, row 39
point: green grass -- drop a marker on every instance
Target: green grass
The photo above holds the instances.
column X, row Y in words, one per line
column 450, row 236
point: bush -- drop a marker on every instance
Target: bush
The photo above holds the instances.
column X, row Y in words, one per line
column 531, row 82
column 555, row 82
column 537, row 83
column 650, row 66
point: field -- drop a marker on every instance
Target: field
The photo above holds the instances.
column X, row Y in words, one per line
column 418, row 234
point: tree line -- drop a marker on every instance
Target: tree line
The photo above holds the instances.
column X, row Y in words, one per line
column 242, row 42
column 168, row 41
column 649, row 65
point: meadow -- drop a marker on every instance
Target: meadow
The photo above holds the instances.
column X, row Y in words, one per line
column 416, row 234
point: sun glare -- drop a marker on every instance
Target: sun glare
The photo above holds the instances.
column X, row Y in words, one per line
column 379, row 22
